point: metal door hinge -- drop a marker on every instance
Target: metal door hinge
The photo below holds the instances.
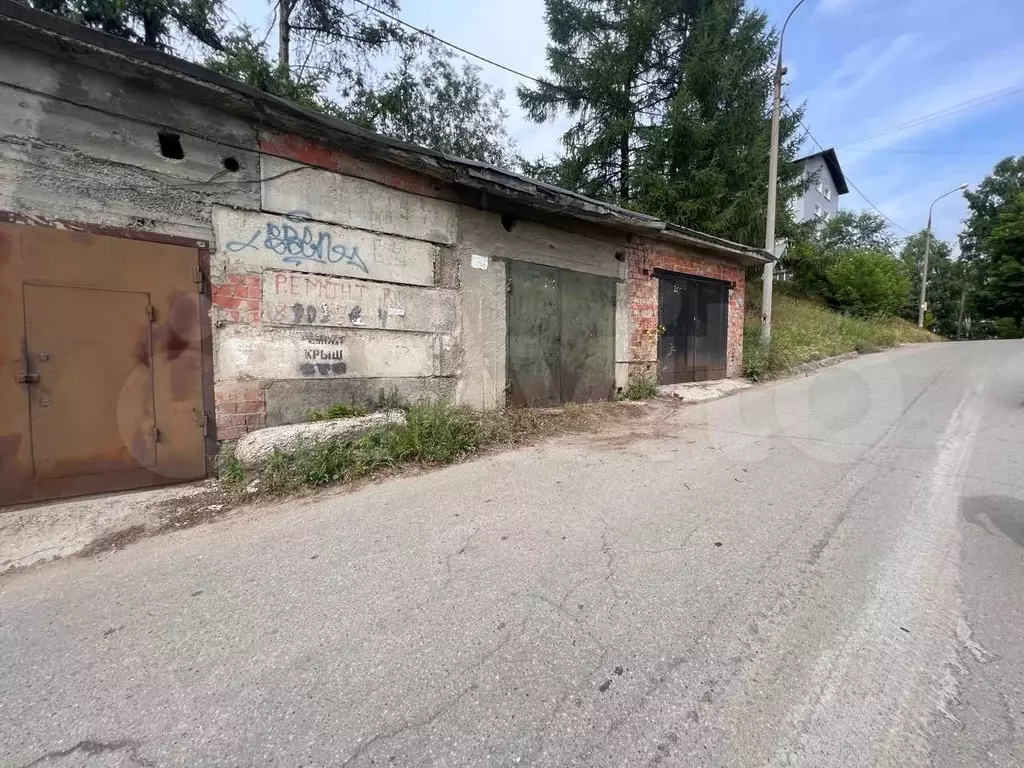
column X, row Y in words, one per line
column 156, row 434
column 27, row 378
column 151, row 313
column 199, row 416
column 197, row 278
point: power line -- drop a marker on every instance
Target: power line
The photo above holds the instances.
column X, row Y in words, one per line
column 963, row 106
column 848, row 179
column 493, row 63
column 919, row 152
column 432, row 36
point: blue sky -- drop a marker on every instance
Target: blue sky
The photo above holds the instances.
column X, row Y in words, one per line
column 861, row 66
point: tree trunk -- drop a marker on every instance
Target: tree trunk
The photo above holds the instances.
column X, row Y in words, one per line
column 284, row 35
column 150, row 31
column 624, row 169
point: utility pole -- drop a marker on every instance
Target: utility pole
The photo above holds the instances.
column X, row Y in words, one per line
column 960, row 317
column 284, row 34
column 923, row 302
column 773, row 189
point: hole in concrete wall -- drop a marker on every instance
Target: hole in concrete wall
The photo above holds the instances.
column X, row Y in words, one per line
column 508, row 222
column 170, row 145
column 230, row 164
column 620, row 256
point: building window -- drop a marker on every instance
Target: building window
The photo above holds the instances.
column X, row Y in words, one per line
column 827, row 192
column 818, row 210
column 825, row 215
column 819, row 186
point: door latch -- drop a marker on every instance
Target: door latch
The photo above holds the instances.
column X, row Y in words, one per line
column 27, row 378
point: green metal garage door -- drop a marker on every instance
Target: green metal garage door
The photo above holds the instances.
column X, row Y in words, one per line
column 561, row 336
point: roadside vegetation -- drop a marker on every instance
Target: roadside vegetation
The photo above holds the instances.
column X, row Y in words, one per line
column 434, row 434
column 640, row 388
column 805, row 330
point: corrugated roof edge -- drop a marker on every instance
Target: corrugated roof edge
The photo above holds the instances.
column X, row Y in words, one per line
column 456, row 170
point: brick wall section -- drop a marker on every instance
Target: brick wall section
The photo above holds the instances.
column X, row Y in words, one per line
column 241, row 407
column 310, row 153
column 239, row 299
column 642, row 294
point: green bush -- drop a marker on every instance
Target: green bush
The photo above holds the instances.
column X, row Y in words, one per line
column 869, row 283
column 1007, row 328
column 335, row 411
column 641, row 388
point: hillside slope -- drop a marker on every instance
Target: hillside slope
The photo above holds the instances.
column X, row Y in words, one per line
column 804, row 330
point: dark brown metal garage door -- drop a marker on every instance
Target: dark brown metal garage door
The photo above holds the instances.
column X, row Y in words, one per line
column 101, row 364
column 561, row 336
column 693, row 313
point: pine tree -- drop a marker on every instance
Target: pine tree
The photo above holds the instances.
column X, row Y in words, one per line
column 152, row 23
column 602, row 57
column 337, row 37
column 671, row 107
column 706, row 165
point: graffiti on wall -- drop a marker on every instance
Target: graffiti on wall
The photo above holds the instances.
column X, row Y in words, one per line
column 322, row 355
column 296, row 241
column 293, row 298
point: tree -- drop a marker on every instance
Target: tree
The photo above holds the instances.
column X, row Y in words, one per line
column 604, row 58
column 706, row 165
column 244, row 58
column 152, row 23
column 1002, row 292
column 670, row 107
column 985, row 203
column 869, row 283
column 338, row 37
column 946, row 283
column 437, row 101
column 992, row 246
column 817, row 247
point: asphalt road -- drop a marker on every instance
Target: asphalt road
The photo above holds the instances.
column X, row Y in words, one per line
column 820, row 572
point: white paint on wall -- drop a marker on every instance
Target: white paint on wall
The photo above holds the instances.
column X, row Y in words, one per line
column 481, row 336
column 323, row 353
column 250, row 240
column 327, row 196
column 621, row 335
column 299, row 299
column 477, row 261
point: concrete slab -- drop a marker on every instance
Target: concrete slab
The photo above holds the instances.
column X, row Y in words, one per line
column 35, row 533
column 258, row 445
column 702, row 391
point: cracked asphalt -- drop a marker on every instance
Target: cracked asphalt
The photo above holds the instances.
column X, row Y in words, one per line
column 819, row 572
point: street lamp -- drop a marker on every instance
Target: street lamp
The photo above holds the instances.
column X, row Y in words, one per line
column 927, row 247
column 773, row 183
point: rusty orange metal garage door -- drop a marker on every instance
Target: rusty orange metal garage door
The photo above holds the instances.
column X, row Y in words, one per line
column 101, row 364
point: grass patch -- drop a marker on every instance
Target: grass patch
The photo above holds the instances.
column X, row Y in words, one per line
column 433, row 435
column 335, row 411
column 804, row 330
column 641, row 388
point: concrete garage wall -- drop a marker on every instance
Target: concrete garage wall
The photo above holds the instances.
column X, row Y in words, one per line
column 333, row 279
column 338, row 289
column 487, row 241
column 64, row 157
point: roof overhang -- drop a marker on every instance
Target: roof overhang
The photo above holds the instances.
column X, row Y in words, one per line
column 41, row 31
